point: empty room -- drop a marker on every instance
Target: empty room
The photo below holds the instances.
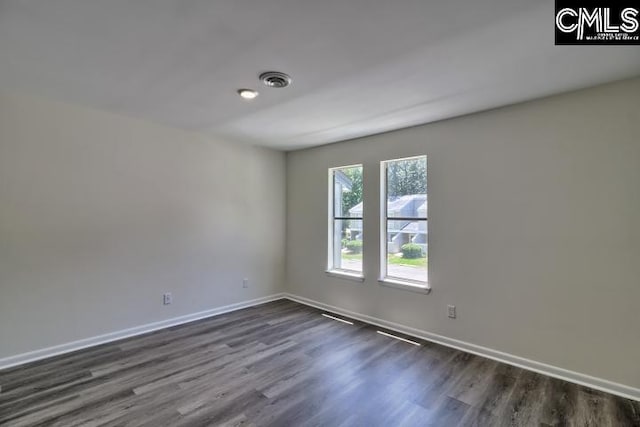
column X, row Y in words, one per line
column 319, row 213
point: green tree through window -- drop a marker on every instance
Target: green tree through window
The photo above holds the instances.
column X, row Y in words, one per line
column 406, row 177
column 353, row 197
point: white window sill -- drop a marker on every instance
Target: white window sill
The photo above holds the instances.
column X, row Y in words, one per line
column 344, row 274
column 422, row 288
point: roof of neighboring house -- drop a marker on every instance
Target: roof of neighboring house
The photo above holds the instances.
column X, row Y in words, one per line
column 343, row 179
column 415, row 227
column 403, row 201
column 399, row 204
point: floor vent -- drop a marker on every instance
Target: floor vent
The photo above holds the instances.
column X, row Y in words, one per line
column 339, row 320
column 398, row 338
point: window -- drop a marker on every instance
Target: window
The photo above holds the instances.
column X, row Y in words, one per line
column 345, row 220
column 404, row 243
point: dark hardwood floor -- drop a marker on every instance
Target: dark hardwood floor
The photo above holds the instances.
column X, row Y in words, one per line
column 283, row 364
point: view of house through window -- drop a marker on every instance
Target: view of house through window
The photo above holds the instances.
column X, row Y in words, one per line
column 345, row 228
column 404, row 249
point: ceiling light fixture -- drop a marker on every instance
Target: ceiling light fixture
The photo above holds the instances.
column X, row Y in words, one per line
column 275, row 79
column 247, row 93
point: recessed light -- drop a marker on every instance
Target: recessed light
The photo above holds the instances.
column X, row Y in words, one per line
column 247, row 93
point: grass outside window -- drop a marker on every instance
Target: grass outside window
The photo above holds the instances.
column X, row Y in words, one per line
column 395, row 259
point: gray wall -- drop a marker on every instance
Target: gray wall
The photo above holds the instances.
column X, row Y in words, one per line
column 101, row 214
column 534, row 230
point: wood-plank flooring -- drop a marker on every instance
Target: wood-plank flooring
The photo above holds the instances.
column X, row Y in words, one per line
column 283, row 364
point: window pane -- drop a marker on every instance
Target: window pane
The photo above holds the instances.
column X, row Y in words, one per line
column 345, row 234
column 407, row 188
column 348, row 192
column 405, row 239
column 347, row 245
column 407, row 250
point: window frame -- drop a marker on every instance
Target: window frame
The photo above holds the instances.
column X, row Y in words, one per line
column 384, row 278
column 331, row 269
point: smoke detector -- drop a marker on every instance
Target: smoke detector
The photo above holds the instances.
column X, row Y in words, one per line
column 275, row 79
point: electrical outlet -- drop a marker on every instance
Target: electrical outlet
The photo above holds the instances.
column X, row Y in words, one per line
column 245, row 283
column 451, row 309
column 167, row 298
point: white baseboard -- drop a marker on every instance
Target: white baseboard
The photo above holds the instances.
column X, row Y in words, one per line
column 44, row 353
column 531, row 365
column 521, row 362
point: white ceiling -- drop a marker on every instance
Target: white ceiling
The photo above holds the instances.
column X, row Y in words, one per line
column 359, row 66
